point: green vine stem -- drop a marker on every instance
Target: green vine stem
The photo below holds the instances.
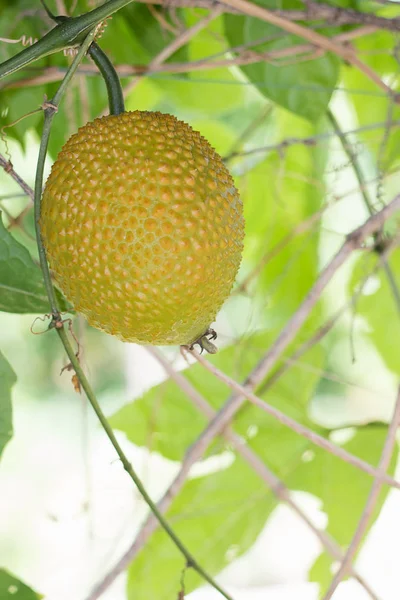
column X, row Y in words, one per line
column 57, row 323
column 66, row 34
column 50, row 110
column 109, row 74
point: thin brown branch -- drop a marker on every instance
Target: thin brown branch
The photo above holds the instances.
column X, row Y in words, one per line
column 165, row 24
column 17, row 222
column 316, row 11
column 8, row 167
column 384, row 463
column 245, row 57
column 253, row 126
column 307, row 141
column 298, row 428
column 337, row 15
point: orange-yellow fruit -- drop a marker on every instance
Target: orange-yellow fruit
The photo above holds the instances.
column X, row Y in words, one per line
column 143, row 227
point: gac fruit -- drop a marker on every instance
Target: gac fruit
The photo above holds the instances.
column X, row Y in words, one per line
column 143, row 227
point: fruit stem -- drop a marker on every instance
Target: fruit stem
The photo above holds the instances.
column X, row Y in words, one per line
column 105, row 66
column 110, row 76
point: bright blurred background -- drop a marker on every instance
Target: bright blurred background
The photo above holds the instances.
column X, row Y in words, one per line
column 68, row 510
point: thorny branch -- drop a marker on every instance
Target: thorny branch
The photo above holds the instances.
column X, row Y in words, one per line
column 8, row 167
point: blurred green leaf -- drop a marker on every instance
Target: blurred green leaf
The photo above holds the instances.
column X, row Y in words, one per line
column 19, row 103
column 218, row 517
column 342, row 488
column 378, row 305
column 15, row 103
column 21, row 283
column 144, row 97
column 12, row 588
column 279, row 195
column 20, row 30
column 302, row 86
column 7, row 380
column 154, row 34
column 120, row 43
column 208, row 91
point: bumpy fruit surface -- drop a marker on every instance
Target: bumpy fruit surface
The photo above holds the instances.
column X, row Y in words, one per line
column 143, row 227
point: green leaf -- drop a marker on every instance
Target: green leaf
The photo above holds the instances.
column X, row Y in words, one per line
column 12, row 588
column 378, row 306
column 21, row 283
column 218, row 517
column 303, row 87
column 7, row 380
column 342, row 488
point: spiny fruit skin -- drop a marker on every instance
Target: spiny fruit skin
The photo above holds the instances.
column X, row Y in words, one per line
column 143, row 227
